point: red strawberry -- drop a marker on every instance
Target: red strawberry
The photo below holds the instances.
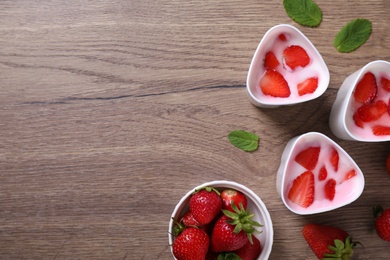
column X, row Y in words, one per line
column 205, row 204
column 323, row 174
column 327, row 241
column 249, row 251
column 230, row 196
column 334, row 159
column 350, row 174
column 233, row 230
column 308, row 86
column 272, row 83
column 385, row 82
column 357, row 120
column 388, row 164
column 308, row 158
column 295, row 56
column 224, row 238
column 330, row 189
column 381, row 130
column 189, row 220
column 382, row 222
column 366, row 89
column 302, row 190
column 270, row 60
column 388, row 107
column 373, row 111
column 192, row 243
column 282, row 37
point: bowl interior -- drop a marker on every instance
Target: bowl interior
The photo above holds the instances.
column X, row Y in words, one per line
column 270, row 41
column 347, row 190
column 255, row 205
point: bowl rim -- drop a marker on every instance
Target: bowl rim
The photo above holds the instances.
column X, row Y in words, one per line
column 281, row 181
column 266, row 248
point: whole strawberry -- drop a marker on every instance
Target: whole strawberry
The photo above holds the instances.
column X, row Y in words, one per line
column 229, row 196
column 189, row 220
column 191, row 244
column 328, row 241
column 233, row 230
column 205, row 204
column 249, row 251
column 382, row 222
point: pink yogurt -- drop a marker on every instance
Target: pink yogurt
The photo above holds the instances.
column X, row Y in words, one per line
column 272, row 42
column 346, row 190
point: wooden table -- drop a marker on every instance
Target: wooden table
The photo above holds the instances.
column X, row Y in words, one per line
column 110, row 111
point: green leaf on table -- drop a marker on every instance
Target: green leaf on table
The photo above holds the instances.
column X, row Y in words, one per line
column 304, row 12
column 353, row 35
column 244, row 140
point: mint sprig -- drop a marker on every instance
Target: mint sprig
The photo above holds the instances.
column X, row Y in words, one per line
column 244, row 140
column 353, row 35
column 304, row 12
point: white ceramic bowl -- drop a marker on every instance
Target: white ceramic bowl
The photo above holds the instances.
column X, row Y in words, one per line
column 255, row 205
column 316, row 68
column 346, row 191
column 341, row 117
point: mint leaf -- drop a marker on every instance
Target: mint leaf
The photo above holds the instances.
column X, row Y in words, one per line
column 244, row 140
column 353, row 35
column 304, row 12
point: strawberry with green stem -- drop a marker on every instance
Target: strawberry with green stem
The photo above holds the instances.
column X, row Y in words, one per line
column 229, row 196
column 247, row 252
column 191, row 243
column 382, row 222
column 233, row 230
column 205, row 204
column 328, row 242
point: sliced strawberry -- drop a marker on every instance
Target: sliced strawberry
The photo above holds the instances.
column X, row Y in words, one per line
column 308, row 158
column 330, row 189
column 308, row 86
column 282, row 37
column 323, row 174
column 334, row 159
column 350, row 174
column 381, row 130
column 373, row 111
column 388, row 107
column 272, row 83
column 295, row 56
column 366, row 89
column 270, row 61
column 357, row 120
column 385, row 83
column 302, row 190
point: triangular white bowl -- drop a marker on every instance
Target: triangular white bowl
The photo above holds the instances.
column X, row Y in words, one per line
column 256, row 69
column 341, row 116
column 289, row 169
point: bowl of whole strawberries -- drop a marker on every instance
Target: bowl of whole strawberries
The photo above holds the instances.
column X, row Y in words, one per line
column 220, row 219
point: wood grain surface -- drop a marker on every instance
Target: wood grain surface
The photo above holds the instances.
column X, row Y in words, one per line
column 111, row 111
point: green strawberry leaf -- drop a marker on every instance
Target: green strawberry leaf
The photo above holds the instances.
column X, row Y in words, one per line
column 353, row 35
column 304, row 12
column 244, row 140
